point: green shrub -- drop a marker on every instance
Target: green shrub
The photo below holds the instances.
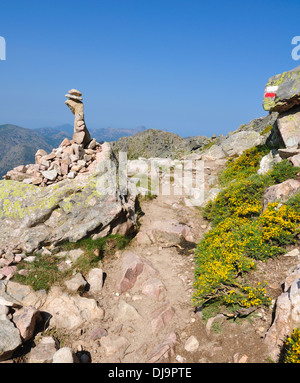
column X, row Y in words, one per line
column 283, row 171
column 294, row 201
column 244, row 166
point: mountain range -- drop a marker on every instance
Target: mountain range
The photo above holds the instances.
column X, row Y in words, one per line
column 56, row 134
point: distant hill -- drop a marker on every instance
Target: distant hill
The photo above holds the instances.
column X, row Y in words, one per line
column 113, row 134
column 54, row 136
column 18, row 146
column 153, row 143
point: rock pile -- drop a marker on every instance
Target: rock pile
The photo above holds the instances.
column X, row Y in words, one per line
column 73, row 157
column 24, row 312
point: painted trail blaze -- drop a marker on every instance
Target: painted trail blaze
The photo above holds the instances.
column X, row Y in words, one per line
column 271, row 91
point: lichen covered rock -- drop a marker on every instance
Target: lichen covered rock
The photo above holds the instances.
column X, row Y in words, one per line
column 282, row 91
column 31, row 216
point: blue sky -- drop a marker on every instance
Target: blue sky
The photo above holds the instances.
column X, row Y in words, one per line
column 192, row 67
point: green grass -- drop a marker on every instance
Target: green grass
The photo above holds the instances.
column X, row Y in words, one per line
column 44, row 272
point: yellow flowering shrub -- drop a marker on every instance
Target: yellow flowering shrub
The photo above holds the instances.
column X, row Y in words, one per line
column 245, row 165
column 222, row 256
column 280, row 225
column 241, row 233
column 248, row 296
column 242, row 198
column 291, row 347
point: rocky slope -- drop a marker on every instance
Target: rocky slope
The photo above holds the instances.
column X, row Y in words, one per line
column 152, row 143
column 135, row 304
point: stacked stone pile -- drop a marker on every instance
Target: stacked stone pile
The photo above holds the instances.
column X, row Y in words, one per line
column 72, row 158
column 81, row 135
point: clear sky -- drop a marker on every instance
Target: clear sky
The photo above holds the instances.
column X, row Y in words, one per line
column 189, row 66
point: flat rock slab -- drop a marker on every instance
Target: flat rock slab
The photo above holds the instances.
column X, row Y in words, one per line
column 44, row 351
column 154, row 288
column 161, row 317
column 163, row 350
column 114, row 346
column 134, row 269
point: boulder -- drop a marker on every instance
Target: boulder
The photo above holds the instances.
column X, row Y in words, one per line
column 50, row 174
column 287, row 317
column 4, row 310
column 127, row 313
column 280, row 192
column 289, row 152
column 25, row 320
column 65, row 355
column 70, row 311
column 76, row 283
column 10, row 339
column 95, row 280
column 154, row 288
column 238, row 142
column 210, row 195
column 171, row 232
column 213, row 153
column 289, row 127
column 34, row 216
column 295, row 160
column 163, row 351
column 13, row 294
column 282, row 92
column 268, row 161
column 191, row 344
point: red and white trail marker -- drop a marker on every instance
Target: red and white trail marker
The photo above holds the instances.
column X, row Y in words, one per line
column 270, row 91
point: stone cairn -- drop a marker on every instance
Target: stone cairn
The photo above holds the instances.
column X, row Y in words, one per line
column 81, row 135
column 71, row 159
